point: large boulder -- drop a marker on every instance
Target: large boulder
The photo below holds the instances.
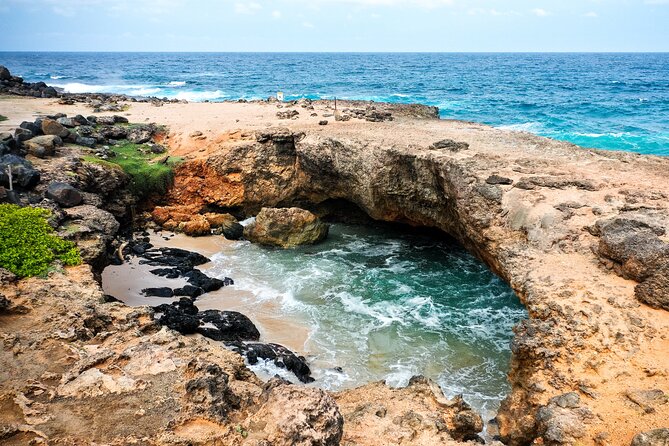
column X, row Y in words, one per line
column 286, row 228
column 51, row 127
column 633, row 243
column 42, row 146
column 64, row 194
column 5, row 75
column 24, row 175
column 93, row 219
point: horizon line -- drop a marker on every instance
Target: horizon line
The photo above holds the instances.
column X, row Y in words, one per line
column 338, row 52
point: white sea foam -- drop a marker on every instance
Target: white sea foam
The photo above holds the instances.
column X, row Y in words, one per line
column 198, row 96
column 532, row 127
column 77, row 87
column 266, row 369
column 144, row 92
column 176, row 84
column 56, row 77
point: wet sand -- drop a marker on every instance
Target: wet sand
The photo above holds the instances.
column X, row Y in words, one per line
column 126, row 281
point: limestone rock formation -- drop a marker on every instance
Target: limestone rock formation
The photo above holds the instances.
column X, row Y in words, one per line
column 314, row 418
column 286, row 228
column 525, row 205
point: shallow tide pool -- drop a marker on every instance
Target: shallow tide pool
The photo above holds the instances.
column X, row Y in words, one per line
column 376, row 303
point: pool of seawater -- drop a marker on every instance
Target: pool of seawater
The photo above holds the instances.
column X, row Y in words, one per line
column 381, row 304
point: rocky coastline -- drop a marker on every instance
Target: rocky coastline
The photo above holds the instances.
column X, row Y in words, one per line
column 579, row 234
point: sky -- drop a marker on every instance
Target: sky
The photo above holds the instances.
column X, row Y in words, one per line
column 335, row 25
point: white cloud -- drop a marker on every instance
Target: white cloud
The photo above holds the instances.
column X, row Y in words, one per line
column 429, row 4
column 492, row 12
column 247, row 7
column 276, row 14
column 539, row 12
column 591, row 15
column 308, row 25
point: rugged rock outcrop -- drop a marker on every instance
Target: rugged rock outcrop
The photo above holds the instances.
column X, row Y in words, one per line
column 286, row 228
column 77, row 370
column 525, row 205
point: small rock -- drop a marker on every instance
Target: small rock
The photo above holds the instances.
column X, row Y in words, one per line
column 323, row 122
column 496, row 179
column 288, row 114
column 449, row 144
column 656, row 437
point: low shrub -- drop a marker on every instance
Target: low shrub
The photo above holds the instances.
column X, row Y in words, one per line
column 28, row 244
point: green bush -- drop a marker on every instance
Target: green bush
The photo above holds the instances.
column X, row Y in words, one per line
column 148, row 176
column 28, row 244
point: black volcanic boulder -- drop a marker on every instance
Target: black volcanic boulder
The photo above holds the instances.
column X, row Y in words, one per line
column 175, row 257
column 5, row 75
column 64, row 194
column 189, row 291
column 228, row 326
column 158, row 292
column 180, row 316
column 24, row 175
column 279, row 355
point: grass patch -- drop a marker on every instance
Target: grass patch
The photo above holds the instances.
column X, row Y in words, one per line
column 149, row 175
column 3, row 118
column 28, row 245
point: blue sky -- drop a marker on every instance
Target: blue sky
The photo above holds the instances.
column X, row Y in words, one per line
column 335, row 25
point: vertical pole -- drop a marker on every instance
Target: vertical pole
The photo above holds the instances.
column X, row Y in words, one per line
column 335, row 104
column 11, row 180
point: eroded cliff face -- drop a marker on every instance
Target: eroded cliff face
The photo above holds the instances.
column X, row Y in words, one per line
column 80, row 369
column 525, row 205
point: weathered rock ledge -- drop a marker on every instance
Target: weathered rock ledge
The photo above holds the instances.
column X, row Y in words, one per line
column 531, row 208
column 572, row 230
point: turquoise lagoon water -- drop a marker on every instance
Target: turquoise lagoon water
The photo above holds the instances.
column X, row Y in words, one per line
column 609, row 101
column 384, row 304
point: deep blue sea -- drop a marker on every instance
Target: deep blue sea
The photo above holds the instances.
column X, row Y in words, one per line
column 608, row 101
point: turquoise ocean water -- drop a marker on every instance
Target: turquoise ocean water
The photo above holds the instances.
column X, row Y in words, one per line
column 608, row 101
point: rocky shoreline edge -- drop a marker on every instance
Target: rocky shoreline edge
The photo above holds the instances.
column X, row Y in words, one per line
column 526, row 219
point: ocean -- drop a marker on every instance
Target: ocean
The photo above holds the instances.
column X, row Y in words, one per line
column 609, row 101
column 380, row 303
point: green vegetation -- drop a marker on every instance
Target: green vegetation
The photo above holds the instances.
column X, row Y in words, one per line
column 151, row 173
column 3, row 118
column 28, row 244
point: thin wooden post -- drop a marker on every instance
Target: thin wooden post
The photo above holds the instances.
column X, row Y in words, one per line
column 11, row 180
